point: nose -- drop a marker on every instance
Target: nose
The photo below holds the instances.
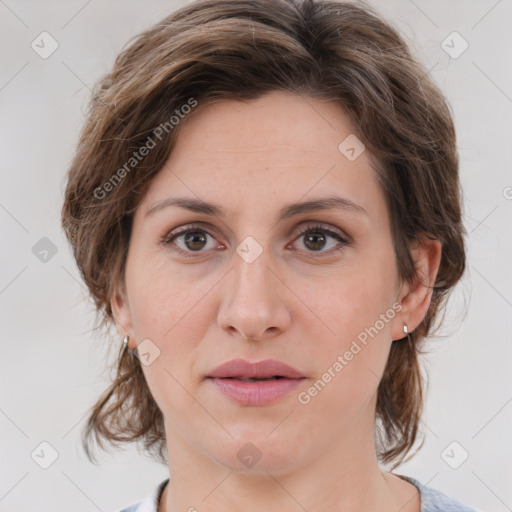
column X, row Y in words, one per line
column 253, row 302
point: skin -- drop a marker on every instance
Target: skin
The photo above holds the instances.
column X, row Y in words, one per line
column 295, row 304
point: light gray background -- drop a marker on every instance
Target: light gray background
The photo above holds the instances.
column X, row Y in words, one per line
column 51, row 367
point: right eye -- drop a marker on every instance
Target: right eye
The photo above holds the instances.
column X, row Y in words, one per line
column 192, row 240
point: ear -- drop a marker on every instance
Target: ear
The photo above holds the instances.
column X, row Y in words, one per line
column 415, row 297
column 122, row 314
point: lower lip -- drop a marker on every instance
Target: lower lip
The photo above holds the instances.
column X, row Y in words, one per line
column 256, row 393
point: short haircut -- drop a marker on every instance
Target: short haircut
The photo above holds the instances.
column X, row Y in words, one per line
column 239, row 50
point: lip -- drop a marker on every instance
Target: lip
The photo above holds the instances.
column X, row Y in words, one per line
column 260, row 369
column 225, row 376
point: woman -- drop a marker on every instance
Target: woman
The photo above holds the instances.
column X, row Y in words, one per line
column 265, row 200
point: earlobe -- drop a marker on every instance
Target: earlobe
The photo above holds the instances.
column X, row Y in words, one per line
column 122, row 316
column 426, row 254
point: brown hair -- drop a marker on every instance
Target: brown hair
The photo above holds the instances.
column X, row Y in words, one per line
column 241, row 49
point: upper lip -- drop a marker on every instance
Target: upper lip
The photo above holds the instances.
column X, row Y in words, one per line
column 260, row 369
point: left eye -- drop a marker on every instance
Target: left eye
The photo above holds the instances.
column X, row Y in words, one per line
column 315, row 238
column 195, row 238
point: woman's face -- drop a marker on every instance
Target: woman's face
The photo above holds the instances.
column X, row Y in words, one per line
column 316, row 289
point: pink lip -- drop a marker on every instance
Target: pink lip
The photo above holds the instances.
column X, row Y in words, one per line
column 261, row 369
column 255, row 393
column 225, row 376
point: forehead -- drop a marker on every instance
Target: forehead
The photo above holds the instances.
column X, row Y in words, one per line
column 267, row 126
column 279, row 148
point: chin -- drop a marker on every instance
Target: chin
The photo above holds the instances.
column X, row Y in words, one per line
column 257, row 453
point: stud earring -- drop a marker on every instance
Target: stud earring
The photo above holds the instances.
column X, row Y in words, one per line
column 406, row 330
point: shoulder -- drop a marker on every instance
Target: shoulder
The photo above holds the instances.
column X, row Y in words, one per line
column 149, row 503
column 131, row 508
column 433, row 500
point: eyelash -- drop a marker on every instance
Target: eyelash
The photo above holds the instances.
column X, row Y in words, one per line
column 170, row 237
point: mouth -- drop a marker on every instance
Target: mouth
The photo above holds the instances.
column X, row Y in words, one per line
column 251, row 392
column 260, row 370
column 255, row 384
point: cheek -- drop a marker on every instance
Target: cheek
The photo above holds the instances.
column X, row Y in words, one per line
column 358, row 309
column 163, row 296
column 171, row 309
column 355, row 301
column 350, row 365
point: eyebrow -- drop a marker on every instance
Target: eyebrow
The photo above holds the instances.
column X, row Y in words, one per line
column 291, row 210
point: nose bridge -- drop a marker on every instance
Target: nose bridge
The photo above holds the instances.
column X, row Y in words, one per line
column 252, row 276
